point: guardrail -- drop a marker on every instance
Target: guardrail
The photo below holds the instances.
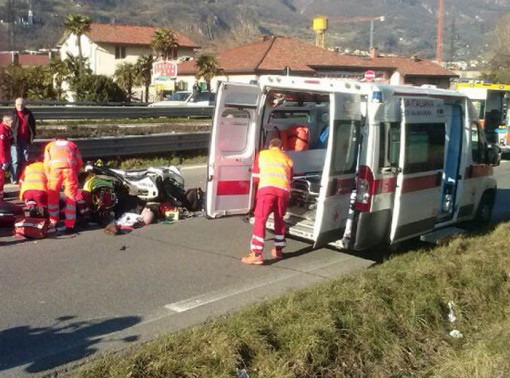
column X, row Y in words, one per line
column 133, row 145
column 45, row 113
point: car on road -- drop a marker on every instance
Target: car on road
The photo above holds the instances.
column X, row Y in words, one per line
column 198, row 99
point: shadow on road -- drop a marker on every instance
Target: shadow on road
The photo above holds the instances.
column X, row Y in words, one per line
column 63, row 342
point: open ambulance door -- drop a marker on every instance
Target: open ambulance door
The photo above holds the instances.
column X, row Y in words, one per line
column 420, row 173
column 232, row 150
column 338, row 176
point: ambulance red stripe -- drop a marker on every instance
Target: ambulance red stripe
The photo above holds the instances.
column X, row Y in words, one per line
column 233, row 188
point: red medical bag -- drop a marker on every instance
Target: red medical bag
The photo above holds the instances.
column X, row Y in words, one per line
column 36, row 228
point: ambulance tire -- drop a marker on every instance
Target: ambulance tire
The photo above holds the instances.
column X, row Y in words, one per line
column 483, row 214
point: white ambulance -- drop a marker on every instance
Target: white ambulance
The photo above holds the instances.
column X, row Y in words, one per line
column 398, row 162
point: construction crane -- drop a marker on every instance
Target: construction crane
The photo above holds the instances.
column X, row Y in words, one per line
column 320, row 25
column 439, row 40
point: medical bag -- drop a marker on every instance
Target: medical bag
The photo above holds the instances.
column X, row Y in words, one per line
column 35, row 228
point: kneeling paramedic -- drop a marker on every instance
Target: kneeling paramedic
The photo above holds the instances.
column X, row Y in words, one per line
column 62, row 161
column 34, row 189
column 273, row 168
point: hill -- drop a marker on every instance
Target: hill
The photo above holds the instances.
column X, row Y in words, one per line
column 409, row 27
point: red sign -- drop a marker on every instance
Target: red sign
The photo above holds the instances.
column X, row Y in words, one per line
column 369, row 75
column 164, row 68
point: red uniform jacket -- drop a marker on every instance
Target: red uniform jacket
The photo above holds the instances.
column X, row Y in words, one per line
column 5, row 144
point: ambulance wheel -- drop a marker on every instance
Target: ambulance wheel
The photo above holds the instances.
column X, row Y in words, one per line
column 484, row 212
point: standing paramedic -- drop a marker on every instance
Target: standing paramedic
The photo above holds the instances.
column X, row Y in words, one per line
column 62, row 161
column 23, row 131
column 273, row 169
column 5, row 150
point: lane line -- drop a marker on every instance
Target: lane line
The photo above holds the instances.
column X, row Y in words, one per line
column 203, row 299
column 191, row 167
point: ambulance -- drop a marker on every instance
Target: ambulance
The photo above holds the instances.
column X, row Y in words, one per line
column 398, row 162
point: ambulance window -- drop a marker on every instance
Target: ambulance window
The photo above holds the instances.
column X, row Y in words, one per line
column 477, row 143
column 389, row 144
column 233, row 131
column 424, row 150
column 345, row 146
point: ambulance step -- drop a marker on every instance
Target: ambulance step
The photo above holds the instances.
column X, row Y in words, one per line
column 442, row 236
column 295, row 226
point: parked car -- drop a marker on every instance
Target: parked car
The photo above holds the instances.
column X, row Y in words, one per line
column 197, row 99
column 178, row 98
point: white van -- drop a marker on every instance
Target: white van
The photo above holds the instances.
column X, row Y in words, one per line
column 399, row 161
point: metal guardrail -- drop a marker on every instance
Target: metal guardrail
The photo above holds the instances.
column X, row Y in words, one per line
column 45, row 113
column 133, row 145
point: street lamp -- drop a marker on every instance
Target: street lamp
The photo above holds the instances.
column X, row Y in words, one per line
column 372, row 30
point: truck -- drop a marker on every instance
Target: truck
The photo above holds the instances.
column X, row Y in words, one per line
column 399, row 161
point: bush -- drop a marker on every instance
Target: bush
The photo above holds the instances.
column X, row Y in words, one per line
column 98, row 88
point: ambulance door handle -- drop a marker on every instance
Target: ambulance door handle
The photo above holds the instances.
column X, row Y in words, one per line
column 439, row 178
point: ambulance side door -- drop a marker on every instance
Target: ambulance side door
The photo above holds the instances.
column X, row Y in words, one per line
column 338, row 176
column 422, row 145
column 232, row 150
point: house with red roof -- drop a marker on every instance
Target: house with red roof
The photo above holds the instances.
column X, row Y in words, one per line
column 280, row 55
column 107, row 45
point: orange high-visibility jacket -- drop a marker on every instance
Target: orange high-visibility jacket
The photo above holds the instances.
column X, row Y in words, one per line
column 62, row 154
column 295, row 138
column 33, row 178
column 275, row 169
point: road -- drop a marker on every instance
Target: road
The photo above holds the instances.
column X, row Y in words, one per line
column 66, row 298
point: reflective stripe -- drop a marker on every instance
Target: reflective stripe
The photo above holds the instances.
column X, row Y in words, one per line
column 257, row 247
column 258, row 238
column 35, row 181
column 52, row 207
column 280, row 244
column 279, row 237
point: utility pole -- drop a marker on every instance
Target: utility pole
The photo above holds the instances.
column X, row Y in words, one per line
column 439, row 40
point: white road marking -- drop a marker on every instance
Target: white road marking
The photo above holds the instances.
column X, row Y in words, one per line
column 201, row 300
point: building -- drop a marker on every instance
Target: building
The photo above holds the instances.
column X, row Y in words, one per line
column 24, row 59
column 282, row 55
column 106, row 46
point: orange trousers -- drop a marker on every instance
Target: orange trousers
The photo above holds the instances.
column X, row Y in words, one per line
column 69, row 178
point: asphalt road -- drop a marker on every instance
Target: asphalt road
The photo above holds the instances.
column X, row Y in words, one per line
column 66, row 298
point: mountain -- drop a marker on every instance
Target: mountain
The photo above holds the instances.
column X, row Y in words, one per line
column 409, row 26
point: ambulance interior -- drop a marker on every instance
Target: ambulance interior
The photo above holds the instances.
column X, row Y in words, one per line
column 301, row 120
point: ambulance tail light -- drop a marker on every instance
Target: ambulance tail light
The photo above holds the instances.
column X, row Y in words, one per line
column 364, row 189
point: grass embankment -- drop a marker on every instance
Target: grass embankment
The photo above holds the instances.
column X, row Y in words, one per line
column 388, row 321
column 91, row 129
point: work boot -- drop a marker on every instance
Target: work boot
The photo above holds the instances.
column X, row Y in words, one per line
column 253, row 259
column 276, row 254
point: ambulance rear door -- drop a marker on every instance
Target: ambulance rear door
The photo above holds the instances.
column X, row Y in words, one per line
column 338, row 176
column 232, row 150
column 421, row 146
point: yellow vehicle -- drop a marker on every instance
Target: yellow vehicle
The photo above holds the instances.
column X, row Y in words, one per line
column 492, row 104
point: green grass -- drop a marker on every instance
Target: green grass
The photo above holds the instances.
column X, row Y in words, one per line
column 387, row 321
column 178, row 158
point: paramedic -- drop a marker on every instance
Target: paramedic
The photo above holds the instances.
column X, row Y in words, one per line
column 273, row 169
column 5, row 150
column 62, row 161
column 33, row 188
column 23, row 131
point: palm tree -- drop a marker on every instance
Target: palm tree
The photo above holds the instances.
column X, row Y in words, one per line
column 208, row 68
column 127, row 76
column 164, row 42
column 77, row 25
column 58, row 70
column 144, row 67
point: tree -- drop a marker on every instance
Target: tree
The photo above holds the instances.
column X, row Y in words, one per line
column 499, row 64
column 208, row 68
column 164, row 42
column 59, row 72
column 127, row 76
column 77, row 25
column 98, row 88
column 144, row 66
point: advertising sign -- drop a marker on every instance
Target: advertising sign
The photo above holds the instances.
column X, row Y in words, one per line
column 163, row 74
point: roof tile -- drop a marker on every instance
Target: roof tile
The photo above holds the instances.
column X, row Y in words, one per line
column 130, row 35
